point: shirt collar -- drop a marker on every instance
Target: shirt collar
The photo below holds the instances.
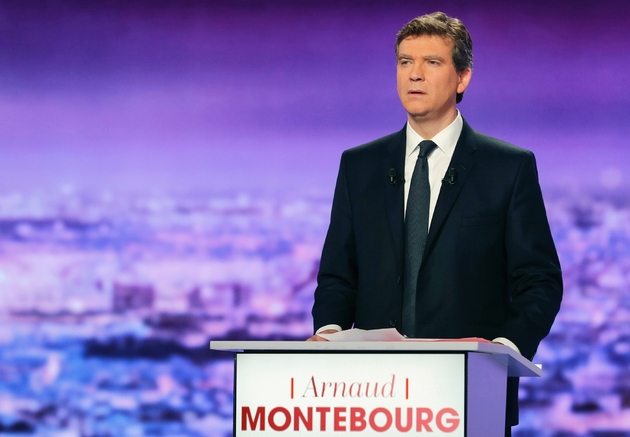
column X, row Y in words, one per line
column 446, row 139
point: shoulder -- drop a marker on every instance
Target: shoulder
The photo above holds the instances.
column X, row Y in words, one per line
column 496, row 158
column 495, row 146
column 378, row 147
column 489, row 148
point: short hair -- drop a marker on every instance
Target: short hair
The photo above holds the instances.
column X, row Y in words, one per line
column 451, row 29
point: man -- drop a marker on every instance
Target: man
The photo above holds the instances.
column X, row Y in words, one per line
column 456, row 246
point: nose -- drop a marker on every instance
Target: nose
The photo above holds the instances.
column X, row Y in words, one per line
column 417, row 72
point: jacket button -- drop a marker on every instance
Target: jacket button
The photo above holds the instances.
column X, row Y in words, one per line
column 393, row 323
column 397, row 279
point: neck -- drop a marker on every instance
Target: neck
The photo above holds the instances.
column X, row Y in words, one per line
column 426, row 127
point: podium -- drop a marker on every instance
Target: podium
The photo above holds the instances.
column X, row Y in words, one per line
column 372, row 388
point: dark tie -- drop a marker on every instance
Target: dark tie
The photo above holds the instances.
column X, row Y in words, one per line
column 416, row 230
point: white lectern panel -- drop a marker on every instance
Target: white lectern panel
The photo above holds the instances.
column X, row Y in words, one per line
column 367, row 394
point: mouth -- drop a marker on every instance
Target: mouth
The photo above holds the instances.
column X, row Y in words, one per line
column 416, row 93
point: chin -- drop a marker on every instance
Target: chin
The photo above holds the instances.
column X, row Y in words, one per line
column 417, row 110
column 418, row 113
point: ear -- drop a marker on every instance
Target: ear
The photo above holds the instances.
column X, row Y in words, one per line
column 463, row 80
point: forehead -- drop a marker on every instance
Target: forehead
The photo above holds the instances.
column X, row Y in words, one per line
column 425, row 44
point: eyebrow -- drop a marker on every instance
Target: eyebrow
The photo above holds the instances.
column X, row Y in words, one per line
column 425, row 57
column 432, row 57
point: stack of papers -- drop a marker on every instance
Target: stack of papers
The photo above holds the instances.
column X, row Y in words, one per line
column 388, row 334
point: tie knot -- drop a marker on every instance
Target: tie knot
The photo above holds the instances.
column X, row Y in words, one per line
column 426, row 147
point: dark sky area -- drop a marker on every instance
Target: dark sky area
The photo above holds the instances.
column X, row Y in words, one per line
column 173, row 96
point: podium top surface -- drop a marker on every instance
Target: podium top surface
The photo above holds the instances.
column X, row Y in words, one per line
column 516, row 363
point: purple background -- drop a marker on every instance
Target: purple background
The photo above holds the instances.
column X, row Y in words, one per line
column 185, row 153
column 217, row 95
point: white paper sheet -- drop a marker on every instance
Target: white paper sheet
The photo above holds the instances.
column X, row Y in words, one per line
column 386, row 334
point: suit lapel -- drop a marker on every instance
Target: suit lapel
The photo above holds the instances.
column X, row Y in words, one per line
column 463, row 161
column 394, row 192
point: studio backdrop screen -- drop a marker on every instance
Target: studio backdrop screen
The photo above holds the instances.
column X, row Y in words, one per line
column 167, row 172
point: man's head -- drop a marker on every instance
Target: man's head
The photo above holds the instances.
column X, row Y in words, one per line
column 450, row 29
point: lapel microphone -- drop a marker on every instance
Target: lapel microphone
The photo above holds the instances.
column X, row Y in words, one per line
column 392, row 176
column 451, row 176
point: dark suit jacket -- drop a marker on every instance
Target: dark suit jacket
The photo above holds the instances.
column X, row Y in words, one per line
column 490, row 267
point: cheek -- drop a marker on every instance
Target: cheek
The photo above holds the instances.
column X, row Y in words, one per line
column 399, row 87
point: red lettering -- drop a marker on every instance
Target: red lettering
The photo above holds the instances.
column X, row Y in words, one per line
column 391, row 388
column 246, row 417
column 322, row 417
column 424, row 421
column 357, row 391
column 357, row 419
column 369, row 389
column 451, row 423
column 310, row 386
column 399, row 425
column 343, row 390
column 340, row 419
column 350, row 419
column 298, row 417
column 272, row 419
column 388, row 419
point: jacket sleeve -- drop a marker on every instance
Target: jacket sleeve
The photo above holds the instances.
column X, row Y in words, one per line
column 335, row 295
column 533, row 268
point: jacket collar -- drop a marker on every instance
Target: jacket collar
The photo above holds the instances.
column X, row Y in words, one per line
column 462, row 162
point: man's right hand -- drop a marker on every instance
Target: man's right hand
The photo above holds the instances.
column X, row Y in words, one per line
column 318, row 338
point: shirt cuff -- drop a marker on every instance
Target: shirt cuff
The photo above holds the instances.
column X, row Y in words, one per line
column 324, row 328
column 504, row 341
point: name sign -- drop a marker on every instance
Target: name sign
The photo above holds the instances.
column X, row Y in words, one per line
column 360, row 394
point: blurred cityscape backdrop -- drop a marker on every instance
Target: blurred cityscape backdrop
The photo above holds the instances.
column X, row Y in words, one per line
column 167, row 174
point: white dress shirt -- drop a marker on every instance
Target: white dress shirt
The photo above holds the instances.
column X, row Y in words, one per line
column 438, row 160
